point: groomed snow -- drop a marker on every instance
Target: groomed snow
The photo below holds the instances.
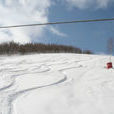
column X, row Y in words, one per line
column 56, row 84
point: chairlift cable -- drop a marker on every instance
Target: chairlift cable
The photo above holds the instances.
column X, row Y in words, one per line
column 63, row 22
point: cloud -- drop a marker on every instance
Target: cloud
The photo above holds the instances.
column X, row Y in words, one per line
column 23, row 12
column 57, row 32
column 83, row 4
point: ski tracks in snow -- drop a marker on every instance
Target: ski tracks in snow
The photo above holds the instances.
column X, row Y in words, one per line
column 12, row 70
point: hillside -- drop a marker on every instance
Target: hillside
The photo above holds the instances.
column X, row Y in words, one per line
column 56, row 84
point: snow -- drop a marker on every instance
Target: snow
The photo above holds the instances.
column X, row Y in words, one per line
column 56, row 84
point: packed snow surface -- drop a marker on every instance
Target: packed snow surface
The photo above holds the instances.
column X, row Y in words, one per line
column 56, row 84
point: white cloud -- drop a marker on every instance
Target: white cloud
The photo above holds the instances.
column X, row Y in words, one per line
column 103, row 3
column 83, row 4
column 23, row 12
column 57, row 32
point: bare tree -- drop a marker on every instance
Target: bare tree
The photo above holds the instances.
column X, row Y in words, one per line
column 110, row 46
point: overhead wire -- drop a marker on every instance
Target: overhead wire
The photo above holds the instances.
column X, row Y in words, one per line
column 62, row 22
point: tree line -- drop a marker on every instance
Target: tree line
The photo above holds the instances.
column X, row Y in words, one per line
column 16, row 48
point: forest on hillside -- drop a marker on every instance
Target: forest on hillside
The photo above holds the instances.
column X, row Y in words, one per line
column 16, row 48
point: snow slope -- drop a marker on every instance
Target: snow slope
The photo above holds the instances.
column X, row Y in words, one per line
column 56, row 84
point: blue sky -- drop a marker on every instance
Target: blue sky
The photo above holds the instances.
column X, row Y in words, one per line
column 91, row 36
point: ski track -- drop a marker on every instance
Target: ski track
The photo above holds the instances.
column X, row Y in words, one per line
column 9, row 92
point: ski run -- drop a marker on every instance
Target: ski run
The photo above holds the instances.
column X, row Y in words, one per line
column 56, row 84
